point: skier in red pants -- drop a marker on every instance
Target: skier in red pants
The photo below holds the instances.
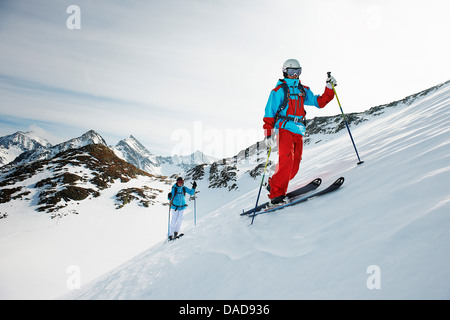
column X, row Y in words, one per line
column 284, row 123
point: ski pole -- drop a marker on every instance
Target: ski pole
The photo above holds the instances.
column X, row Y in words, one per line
column 195, row 209
column 345, row 120
column 260, row 186
column 168, row 224
column 195, row 206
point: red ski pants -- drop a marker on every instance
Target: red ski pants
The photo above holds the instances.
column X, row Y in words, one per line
column 290, row 148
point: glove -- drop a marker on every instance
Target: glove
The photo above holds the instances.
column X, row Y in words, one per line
column 194, row 185
column 331, row 80
column 169, row 196
column 271, row 141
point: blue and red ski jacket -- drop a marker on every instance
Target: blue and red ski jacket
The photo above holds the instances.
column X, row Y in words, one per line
column 291, row 117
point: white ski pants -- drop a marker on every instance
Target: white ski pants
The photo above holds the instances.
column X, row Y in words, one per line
column 177, row 219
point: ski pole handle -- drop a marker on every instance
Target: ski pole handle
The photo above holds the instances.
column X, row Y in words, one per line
column 328, row 79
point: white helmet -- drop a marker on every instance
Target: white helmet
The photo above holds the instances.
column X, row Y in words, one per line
column 292, row 64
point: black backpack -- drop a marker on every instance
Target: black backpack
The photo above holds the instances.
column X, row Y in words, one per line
column 171, row 196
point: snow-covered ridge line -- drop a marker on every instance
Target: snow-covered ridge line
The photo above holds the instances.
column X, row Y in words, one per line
column 224, row 173
column 20, row 148
column 90, row 137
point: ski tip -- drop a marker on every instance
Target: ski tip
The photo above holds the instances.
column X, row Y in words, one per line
column 317, row 181
column 339, row 181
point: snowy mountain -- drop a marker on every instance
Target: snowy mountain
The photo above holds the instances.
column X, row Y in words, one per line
column 132, row 151
column 50, row 178
column 13, row 145
column 51, row 185
column 391, row 216
column 20, row 148
column 90, row 137
column 185, row 162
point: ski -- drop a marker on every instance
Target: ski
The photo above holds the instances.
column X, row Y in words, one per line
column 293, row 194
column 175, row 238
column 336, row 185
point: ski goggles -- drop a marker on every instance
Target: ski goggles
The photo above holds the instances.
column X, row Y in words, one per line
column 293, row 71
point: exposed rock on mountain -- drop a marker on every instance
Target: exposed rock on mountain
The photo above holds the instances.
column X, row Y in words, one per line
column 72, row 175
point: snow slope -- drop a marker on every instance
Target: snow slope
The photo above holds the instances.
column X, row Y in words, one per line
column 392, row 213
column 38, row 253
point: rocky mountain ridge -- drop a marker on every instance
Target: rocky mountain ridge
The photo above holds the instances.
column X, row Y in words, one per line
column 19, row 148
column 75, row 175
column 51, row 178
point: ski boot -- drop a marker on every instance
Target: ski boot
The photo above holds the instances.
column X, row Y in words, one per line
column 278, row 201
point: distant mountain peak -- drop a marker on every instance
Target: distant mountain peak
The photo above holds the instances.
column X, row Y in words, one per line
column 134, row 152
column 133, row 144
column 28, row 140
column 11, row 146
column 90, row 137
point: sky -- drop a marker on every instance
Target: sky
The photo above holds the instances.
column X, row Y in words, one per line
column 190, row 75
